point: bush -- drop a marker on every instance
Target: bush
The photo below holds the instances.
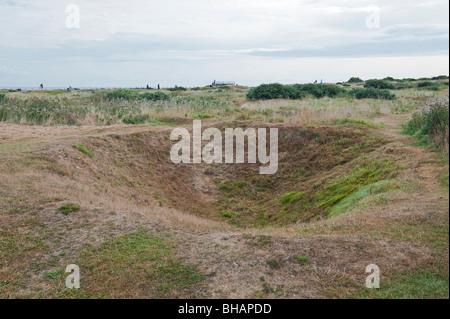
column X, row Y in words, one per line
column 136, row 119
column 355, row 80
column 379, row 84
column 428, row 85
column 297, row 91
column 401, row 85
column 440, row 77
column 432, row 121
column 157, row 96
column 319, row 91
column 372, row 93
column 2, row 96
column 122, row 94
column 177, row 88
column 272, row 91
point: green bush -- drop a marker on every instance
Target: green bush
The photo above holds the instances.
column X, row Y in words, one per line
column 428, row 85
column 2, row 96
column 372, row 93
column 122, row 94
column 319, row 91
column 177, row 88
column 355, row 80
column 440, row 77
column 157, row 96
column 379, row 84
column 272, row 91
column 297, row 91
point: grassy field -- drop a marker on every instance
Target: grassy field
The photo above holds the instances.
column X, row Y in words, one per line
column 86, row 179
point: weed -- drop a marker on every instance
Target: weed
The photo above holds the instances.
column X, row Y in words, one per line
column 66, row 209
column 292, row 197
column 53, row 274
column 273, row 264
column 83, row 149
column 301, row 259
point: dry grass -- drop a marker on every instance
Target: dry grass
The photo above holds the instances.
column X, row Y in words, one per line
column 127, row 186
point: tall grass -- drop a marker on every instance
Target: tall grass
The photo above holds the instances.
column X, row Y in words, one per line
column 432, row 122
column 106, row 108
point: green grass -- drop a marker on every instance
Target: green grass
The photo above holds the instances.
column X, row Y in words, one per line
column 361, row 122
column 83, row 149
column 409, row 285
column 349, row 202
column 135, row 262
column 301, row 260
column 66, row 209
column 53, row 274
column 292, row 197
column 444, row 180
column 366, row 172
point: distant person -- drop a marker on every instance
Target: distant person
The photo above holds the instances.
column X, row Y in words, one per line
column 148, row 87
column 41, row 86
column 321, row 82
column 159, row 87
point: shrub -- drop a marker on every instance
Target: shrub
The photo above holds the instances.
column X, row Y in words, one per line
column 272, row 91
column 440, row 77
column 319, row 91
column 428, row 85
column 136, row 119
column 2, row 96
column 177, row 88
column 372, row 93
column 122, row 94
column 355, row 80
column 157, row 96
column 379, row 84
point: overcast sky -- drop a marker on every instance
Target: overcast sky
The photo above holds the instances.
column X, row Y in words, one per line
column 192, row 42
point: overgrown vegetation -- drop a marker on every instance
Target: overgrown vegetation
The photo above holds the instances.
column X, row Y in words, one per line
column 431, row 123
column 68, row 208
column 298, row 91
column 355, row 80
